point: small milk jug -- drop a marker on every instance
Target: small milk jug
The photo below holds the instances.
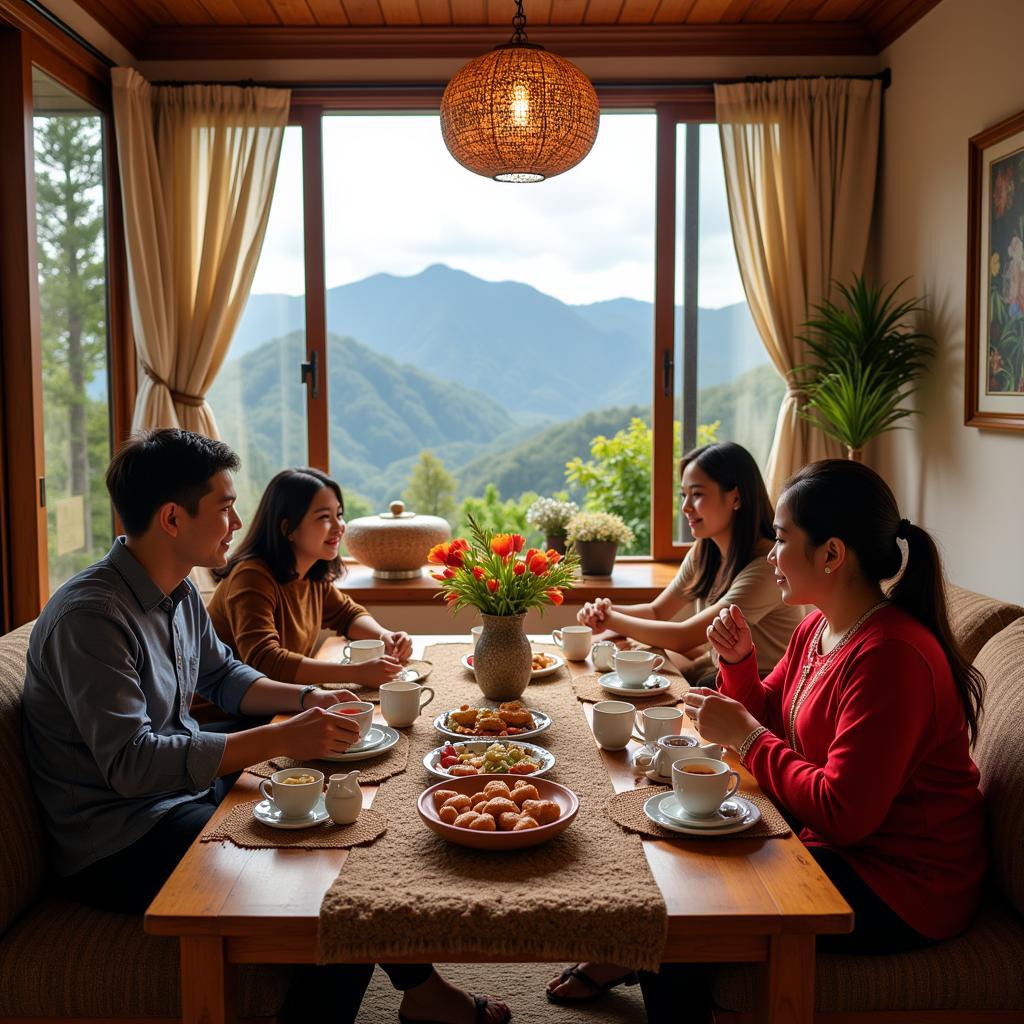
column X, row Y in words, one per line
column 344, row 800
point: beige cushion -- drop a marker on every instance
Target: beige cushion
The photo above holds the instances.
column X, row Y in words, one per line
column 22, row 840
column 975, row 619
column 999, row 754
column 63, row 959
column 983, row 969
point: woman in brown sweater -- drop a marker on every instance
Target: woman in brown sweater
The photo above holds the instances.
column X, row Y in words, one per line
column 277, row 592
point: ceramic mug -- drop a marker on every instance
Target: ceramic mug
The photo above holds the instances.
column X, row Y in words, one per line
column 360, row 711
column 634, row 667
column 293, row 800
column 574, row 640
column 603, row 655
column 658, row 722
column 703, row 784
column 401, row 702
column 475, row 632
column 356, row 652
column 612, row 723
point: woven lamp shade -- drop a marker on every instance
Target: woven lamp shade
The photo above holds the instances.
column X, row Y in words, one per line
column 519, row 113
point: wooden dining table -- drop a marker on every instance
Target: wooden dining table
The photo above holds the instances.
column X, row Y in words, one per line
column 756, row 901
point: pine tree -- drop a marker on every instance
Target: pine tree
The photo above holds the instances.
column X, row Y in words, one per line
column 431, row 489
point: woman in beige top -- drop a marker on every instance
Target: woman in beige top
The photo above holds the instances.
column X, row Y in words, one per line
column 730, row 516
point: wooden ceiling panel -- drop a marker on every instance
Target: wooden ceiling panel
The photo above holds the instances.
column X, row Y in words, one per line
column 400, row 12
column 469, row 12
column 711, row 12
column 435, row 12
column 603, row 12
column 800, row 10
column 363, row 12
column 330, row 12
column 224, row 12
column 673, row 11
column 565, row 12
column 291, row 12
column 762, row 12
column 837, row 10
column 638, row 12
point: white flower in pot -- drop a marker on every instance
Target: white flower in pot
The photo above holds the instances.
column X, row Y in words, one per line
column 596, row 537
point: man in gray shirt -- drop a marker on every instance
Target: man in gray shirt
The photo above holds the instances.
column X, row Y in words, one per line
column 125, row 777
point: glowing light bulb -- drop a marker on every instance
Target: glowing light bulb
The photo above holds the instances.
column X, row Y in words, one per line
column 520, row 106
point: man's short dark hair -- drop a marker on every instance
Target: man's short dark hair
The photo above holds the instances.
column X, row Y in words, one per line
column 157, row 466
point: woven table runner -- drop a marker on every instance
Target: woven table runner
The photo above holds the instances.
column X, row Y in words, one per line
column 241, row 828
column 589, row 690
column 560, row 675
column 372, row 770
column 627, row 809
column 413, row 893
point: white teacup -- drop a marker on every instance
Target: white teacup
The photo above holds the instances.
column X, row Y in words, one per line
column 475, row 632
column 665, row 752
column 401, row 702
column 612, row 723
column 294, row 799
column 603, row 655
column 634, row 667
column 702, row 784
column 356, row 652
column 574, row 640
column 658, row 722
column 360, row 711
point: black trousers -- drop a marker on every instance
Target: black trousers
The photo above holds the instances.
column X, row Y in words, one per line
column 127, row 881
column 877, row 929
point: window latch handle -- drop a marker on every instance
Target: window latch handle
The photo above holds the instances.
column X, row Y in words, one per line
column 309, row 374
column 668, row 364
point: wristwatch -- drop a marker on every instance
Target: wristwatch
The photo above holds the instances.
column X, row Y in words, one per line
column 302, row 695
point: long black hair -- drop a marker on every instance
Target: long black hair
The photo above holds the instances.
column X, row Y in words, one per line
column 844, row 499
column 731, row 466
column 283, row 504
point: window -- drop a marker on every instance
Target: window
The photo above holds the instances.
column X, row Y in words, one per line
column 72, row 268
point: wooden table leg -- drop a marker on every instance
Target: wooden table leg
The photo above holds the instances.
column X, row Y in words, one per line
column 785, row 983
column 207, row 981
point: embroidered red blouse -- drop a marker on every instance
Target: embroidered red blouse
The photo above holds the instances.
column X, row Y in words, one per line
column 882, row 771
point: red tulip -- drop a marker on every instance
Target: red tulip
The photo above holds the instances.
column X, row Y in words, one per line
column 539, row 564
column 449, row 554
column 502, row 545
column 449, row 574
column 519, row 568
column 451, row 597
column 554, row 595
column 553, row 556
column 438, row 575
column 478, row 573
column 493, row 585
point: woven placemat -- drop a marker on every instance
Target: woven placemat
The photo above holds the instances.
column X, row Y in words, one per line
column 561, row 901
column 371, row 771
column 588, row 689
column 627, row 810
column 242, row 829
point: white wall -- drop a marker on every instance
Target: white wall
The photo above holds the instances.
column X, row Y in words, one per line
column 956, row 72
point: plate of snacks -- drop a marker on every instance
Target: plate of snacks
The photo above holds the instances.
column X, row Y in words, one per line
column 497, row 812
column 513, row 719
column 488, row 757
column 543, row 664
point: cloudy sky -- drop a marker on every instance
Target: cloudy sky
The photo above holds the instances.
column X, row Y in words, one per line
column 396, row 202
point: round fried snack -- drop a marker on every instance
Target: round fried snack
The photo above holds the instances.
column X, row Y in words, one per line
column 544, row 811
column 525, row 821
column 508, row 821
column 497, row 788
column 479, row 799
column 448, row 815
column 524, row 791
column 483, row 823
column 499, row 805
column 460, row 802
column 465, row 820
column 441, row 795
column 459, row 770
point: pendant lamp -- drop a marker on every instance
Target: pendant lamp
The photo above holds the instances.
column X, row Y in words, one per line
column 519, row 113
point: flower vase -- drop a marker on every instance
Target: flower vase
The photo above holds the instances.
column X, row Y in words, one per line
column 502, row 660
column 597, row 557
column 855, row 454
column 555, row 542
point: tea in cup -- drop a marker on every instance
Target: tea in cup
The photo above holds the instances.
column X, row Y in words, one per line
column 294, row 791
column 658, row 722
column 703, row 784
column 666, row 752
column 574, row 640
column 360, row 711
column 356, row 652
column 612, row 723
column 401, row 702
column 634, row 667
column 603, row 655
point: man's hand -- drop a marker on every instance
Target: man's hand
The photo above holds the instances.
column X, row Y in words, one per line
column 397, row 644
column 327, row 698
column 371, row 673
column 316, row 733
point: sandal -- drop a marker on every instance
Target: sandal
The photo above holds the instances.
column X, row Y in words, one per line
column 481, row 1003
column 597, row 990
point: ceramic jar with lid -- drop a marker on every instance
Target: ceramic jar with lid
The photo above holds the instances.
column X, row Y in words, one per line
column 395, row 543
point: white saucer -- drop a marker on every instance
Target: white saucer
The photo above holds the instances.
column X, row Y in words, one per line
column 727, row 826
column 374, row 738
column 654, row 684
column 268, row 814
column 352, row 754
column 730, row 811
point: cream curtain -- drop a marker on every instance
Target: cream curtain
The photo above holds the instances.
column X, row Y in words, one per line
column 198, row 165
column 800, row 160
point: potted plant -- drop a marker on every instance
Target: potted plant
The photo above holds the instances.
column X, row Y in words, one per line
column 550, row 517
column 490, row 572
column 596, row 536
column 865, row 363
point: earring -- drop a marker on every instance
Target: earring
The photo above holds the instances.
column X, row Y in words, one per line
column 828, row 570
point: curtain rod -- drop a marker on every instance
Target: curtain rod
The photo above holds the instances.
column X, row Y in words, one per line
column 64, row 27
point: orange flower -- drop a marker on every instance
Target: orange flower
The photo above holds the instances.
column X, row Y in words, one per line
column 493, row 585
column 478, row 573
column 448, row 554
column 451, row 597
column 438, row 575
column 554, row 595
column 519, row 568
column 553, row 556
column 539, row 564
column 449, row 574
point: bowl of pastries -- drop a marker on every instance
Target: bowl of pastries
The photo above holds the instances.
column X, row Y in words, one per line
column 497, row 812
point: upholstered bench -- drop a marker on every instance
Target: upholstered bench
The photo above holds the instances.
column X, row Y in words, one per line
column 59, row 958
column 978, row 977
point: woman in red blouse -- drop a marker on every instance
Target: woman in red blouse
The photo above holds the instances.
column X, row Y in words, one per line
column 862, row 733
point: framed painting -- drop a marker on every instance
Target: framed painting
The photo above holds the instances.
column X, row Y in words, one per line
column 994, row 325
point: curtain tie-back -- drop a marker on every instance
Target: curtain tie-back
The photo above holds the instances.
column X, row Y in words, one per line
column 797, row 394
column 180, row 397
